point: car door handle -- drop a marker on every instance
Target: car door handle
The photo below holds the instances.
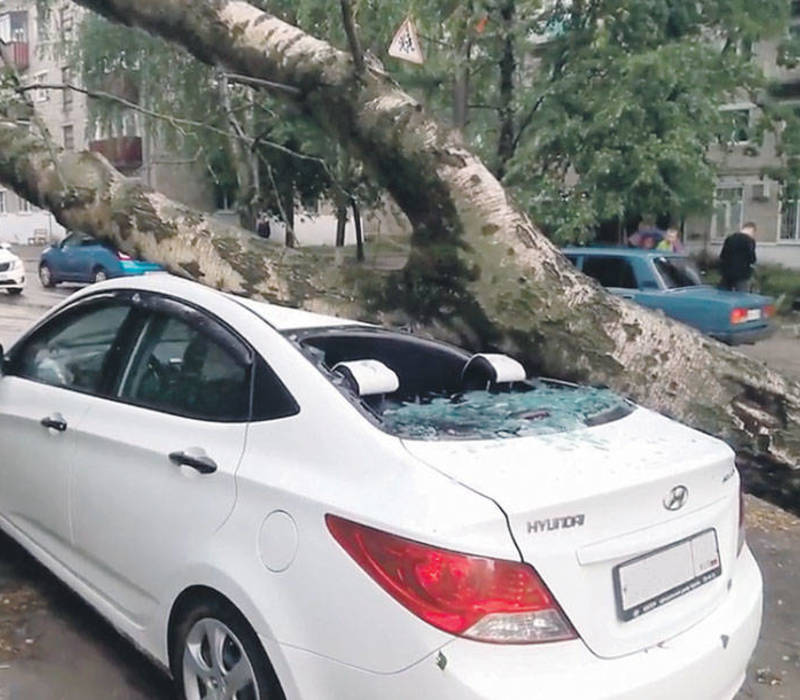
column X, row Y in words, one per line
column 55, row 422
column 200, row 463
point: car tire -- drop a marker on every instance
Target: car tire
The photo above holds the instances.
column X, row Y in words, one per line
column 99, row 275
column 46, row 276
column 15, row 292
column 199, row 672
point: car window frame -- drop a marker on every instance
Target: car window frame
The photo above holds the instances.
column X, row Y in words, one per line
column 111, row 366
column 142, row 302
column 235, row 347
column 605, row 258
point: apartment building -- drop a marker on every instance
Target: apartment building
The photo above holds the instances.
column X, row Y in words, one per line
column 38, row 42
column 742, row 192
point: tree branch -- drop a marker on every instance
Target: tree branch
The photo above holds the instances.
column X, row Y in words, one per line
column 352, row 35
column 479, row 271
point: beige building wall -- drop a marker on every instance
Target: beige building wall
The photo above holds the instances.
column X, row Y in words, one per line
column 744, row 193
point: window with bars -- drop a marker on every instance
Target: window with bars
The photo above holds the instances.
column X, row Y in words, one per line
column 790, row 225
column 728, row 211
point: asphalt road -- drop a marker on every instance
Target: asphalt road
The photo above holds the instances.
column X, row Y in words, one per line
column 54, row 647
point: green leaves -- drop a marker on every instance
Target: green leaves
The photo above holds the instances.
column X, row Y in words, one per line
column 626, row 104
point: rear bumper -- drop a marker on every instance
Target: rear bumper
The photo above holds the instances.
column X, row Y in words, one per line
column 136, row 268
column 707, row 662
column 745, row 337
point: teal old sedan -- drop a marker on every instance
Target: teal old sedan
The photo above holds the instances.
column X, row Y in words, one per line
column 671, row 282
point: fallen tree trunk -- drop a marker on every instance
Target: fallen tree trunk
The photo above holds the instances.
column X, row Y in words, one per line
column 479, row 272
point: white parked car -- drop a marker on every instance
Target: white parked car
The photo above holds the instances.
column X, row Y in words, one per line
column 272, row 503
column 12, row 271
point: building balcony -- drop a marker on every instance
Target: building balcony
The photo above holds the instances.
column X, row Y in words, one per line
column 20, row 54
column 123, row 152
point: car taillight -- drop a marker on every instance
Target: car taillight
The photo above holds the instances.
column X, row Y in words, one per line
column 742, row 529
column 123, row 256
column 738, row 316
column 769, row 311
column 481, row 598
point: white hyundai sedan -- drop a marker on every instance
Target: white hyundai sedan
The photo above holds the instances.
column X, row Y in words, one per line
column 12, row 271
column 276, row 504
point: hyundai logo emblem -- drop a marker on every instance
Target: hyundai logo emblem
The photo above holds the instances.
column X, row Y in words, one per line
column 676, row 498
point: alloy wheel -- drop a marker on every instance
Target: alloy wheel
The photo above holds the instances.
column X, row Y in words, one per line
column 215, row 665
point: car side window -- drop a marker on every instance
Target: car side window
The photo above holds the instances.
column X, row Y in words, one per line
column 72, row 241
column 72, row 350
column 610, row 271
column 180, row 369
column 271, row 399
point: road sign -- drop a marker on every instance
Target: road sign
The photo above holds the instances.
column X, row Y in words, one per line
column 405, row 44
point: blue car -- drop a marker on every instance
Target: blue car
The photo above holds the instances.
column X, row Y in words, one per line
column 81, row 258
column 671, row 282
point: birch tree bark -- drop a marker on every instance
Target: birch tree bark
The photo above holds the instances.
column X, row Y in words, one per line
column 480, row 272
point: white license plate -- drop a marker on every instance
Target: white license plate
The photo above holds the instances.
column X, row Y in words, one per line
column 654, row 579
column 753, row 314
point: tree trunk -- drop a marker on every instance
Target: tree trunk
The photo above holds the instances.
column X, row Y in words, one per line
column 479, row 271
column 508, row 66
column 461, row 85
column 359, row 235
column 341, row 223
column 245, row 162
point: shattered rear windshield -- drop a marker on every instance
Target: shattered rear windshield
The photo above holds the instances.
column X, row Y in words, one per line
column 434, row 402
column 543, row 409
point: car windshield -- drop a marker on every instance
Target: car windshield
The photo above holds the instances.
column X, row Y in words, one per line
column 434, row 400
column 678, row 272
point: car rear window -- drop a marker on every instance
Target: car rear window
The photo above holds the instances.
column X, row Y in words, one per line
column 436, row 400
column 540, row 408
column 678, row 272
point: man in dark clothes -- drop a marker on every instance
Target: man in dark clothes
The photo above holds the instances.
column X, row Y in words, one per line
column 737, row 259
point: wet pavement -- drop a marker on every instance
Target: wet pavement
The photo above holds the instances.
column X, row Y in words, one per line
column 55, row 647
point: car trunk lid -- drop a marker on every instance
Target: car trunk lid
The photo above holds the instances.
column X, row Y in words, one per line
column 582, row 503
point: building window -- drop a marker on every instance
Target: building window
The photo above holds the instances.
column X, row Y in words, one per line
column 3, row 208
column 66, row 95
column 42, row 25
column 24, row 206
column 40, row 95
column 740, row 121
column 790, row 223
column 69, row 138
column 65, row 20
column 728, row 211
column 130, row 124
